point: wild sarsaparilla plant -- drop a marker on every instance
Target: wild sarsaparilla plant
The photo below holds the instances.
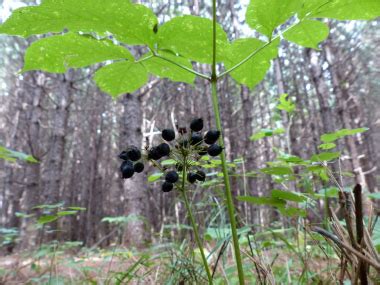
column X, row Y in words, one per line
column 82, row 33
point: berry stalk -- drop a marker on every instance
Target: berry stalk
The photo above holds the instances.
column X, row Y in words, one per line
column 193, row 224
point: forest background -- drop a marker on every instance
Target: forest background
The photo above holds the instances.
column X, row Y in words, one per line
column 76, row 132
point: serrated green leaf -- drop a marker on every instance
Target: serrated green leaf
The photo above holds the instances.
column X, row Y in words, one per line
column 255, row 69
column 308, row 33
column 155, row 176
column 341, row 9
column 286, row 104
column 270, row 201
column 127, row 22
column 327, row 146
column 288, row 195
column 191, row 37
column 46, row 219
column 164, row 69
column 325, row 156
column 265, row 16
column 58, row 53
column 121, row 77
column 277, row 170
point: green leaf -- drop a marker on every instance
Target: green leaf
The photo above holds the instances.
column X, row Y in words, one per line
column 191, row 37
column 287, row 195
column 66, row 213
column 341, row 9
column 155, row 176
column 325, row 156
column 265, row 16
column 277, row 170
column 255, row 69
column 76, row 208
column 121, row 77
column 331, row 192
column 12, row 156
column 164, row 69
column 46, row 219
column 331, row 137
column 58, row 53
column 270, row 201
column 327, row 146
column 292, row 211
column 308, row 33
column 375, row 196
column 127, row 22
column 266, row 133
column 286, row 104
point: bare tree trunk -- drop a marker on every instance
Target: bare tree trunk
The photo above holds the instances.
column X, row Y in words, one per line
column 136, row 196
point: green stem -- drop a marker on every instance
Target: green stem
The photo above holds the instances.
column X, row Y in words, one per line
column 183, row 67
column 215, row 104
column 193, row 224
column 230, row 204
column 253, row 53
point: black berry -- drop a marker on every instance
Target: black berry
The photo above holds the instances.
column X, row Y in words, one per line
column 191, row 177
column 212, row 136
column 164, row 149
column 167, row 187
column 168, row 135
column 154, row 153
column 172, row 177
column 126, row 169
column 123, row 155
column 196, row 139
column 138, row 167
column 200, row 175
column 214, row 150
column 196, row 125
column 133, row 153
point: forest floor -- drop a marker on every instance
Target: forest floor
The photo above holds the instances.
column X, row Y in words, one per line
column 106, row 268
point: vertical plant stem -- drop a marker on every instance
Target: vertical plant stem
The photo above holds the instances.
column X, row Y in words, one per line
column 215, row 104
column 193, row 224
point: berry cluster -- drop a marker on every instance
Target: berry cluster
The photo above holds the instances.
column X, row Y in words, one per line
column 188, row 148
column 131, row 163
